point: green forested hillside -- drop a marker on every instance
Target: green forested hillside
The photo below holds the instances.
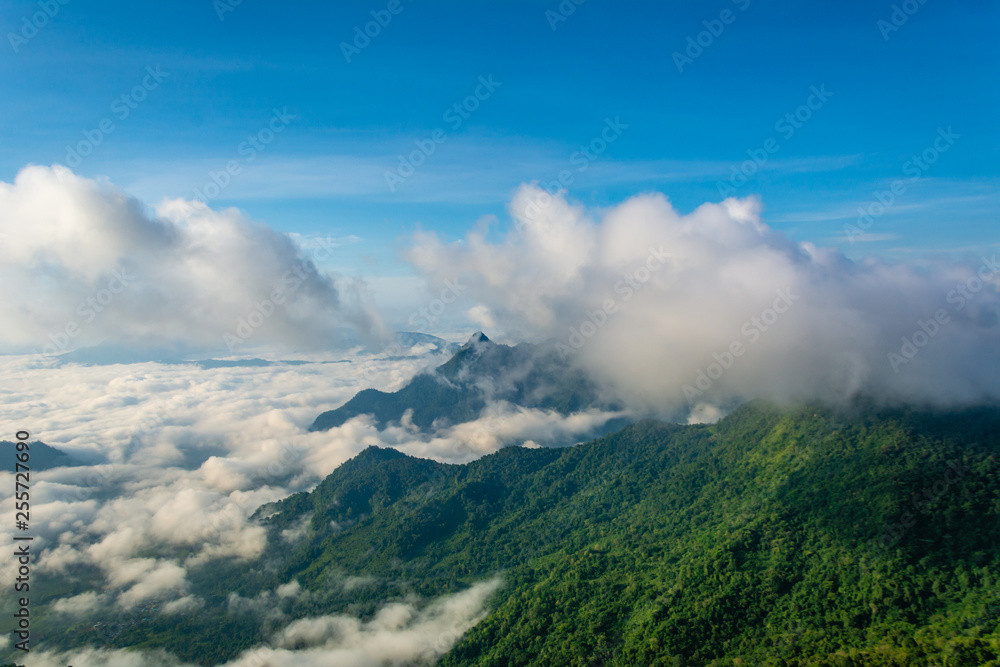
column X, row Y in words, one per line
column 771, row 540
column 775, row 537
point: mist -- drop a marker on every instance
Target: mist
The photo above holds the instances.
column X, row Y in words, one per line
column 688, row 313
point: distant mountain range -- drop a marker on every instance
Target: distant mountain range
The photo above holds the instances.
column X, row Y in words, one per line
column 481, row 371
column 41, row 456
column 107, row 355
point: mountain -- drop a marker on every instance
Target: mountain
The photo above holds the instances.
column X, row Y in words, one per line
column 408, row 339
column 532, row 376
column 775, row 537
column 106, row 354
column 808, row 537
column 41, row 456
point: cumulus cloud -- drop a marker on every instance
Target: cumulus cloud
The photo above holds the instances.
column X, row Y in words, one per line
column 399, row 634
column 83, row 263
column 695, row 311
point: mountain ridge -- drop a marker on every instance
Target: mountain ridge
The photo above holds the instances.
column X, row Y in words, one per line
column 479, row 372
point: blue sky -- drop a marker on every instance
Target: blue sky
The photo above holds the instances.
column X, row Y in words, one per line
column 559, row 82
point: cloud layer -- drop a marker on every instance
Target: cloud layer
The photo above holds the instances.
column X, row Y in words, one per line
column 179, row 457
column 398, row 634
column 713, row 307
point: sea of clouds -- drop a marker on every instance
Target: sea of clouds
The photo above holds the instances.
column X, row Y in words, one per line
column 178, row 457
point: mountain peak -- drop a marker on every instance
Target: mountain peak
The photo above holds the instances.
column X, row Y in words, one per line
column 375, row 453
column 477, row 338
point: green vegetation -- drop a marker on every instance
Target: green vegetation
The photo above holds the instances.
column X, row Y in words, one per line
column 775, row 537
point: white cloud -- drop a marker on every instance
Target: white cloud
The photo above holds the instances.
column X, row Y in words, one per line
column 500, row 425
column 183, row 606
column 181, row 456
column 654, row 300
column 106, row 658
column 83, row 263
column 190, row 455
column 292, row 589
column 399, row 634
column 80, row 605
